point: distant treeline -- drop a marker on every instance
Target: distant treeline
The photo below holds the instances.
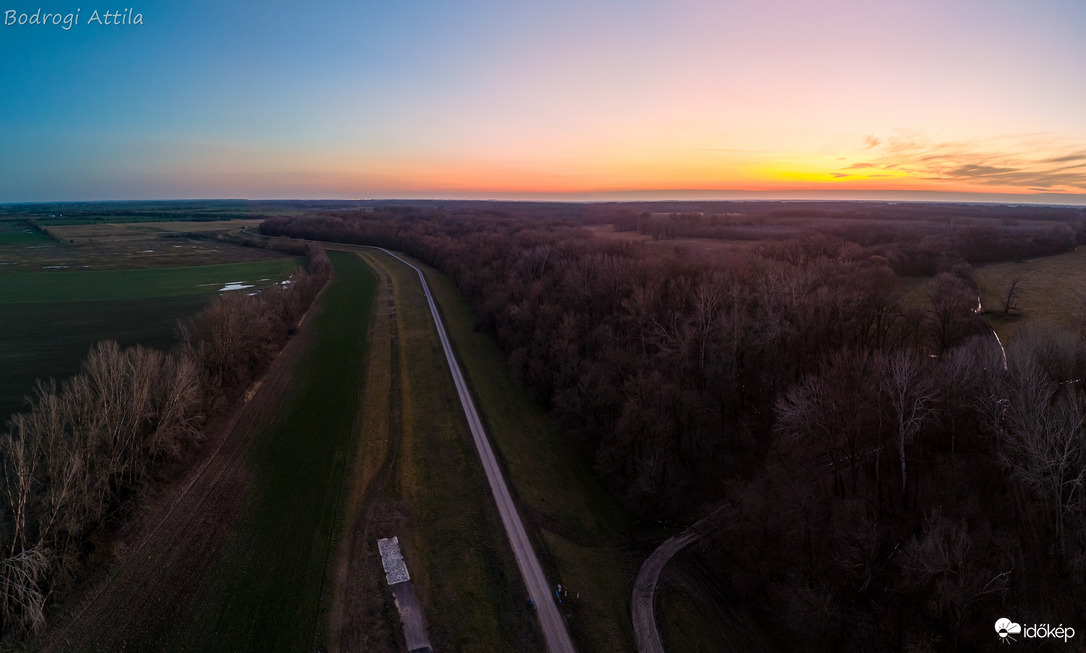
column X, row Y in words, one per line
column 87, row 447
column 885, row 482
column 914, row 243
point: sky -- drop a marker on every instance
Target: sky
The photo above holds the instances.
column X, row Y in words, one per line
column 563, row 99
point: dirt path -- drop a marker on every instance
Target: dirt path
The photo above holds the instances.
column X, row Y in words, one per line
column 644, row 592
column 160, row 567
column 642, row 602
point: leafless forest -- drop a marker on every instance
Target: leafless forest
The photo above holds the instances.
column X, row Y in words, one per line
column 886, row 479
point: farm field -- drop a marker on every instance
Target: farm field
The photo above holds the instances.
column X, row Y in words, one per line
column 234, row 557
column 1053, row 292
column 49, row 319
column 106, row 285
column 264, row 591
column 19, row 233
column 107, row 231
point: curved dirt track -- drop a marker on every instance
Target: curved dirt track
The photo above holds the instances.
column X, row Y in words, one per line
column 643, row 599
column 554, row 628
column 642, row 604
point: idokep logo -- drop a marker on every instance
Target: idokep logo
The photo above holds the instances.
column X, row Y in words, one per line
column 1007, row 629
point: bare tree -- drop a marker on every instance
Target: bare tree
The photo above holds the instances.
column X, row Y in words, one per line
column 827, row 414
column 951, row 306
column 22, row 601
column 1044, row 444
column 953, row 574
column 911, row 396
column 1011, row 296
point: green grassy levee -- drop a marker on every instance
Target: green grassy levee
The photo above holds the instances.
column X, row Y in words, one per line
column 264, row 592
column 465, row 575
column 576, row 525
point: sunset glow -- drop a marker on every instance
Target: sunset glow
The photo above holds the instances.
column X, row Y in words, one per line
column 489, row 99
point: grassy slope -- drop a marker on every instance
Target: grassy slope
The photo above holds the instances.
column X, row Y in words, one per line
column 264, row 591
column 107, row 285
column 575, row 523
column 464, row 572
column 1053, row 291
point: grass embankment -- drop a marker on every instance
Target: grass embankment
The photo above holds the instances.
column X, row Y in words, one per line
column 49, row 320
column 423, row 483
column 1053, row 292
column 576, row 525
column 264, row 591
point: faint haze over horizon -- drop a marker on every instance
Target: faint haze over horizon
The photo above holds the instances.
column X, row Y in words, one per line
column 590, row 100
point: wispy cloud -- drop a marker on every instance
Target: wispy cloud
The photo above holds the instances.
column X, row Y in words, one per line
column 1027, row 163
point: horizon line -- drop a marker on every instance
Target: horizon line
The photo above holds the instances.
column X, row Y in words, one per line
column 631, row 196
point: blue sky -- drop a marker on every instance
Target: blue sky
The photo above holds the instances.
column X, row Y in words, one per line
column 407, row 98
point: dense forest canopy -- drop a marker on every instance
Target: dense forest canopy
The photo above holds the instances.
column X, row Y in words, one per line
column 886, row 477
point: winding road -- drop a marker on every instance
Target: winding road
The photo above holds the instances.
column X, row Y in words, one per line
column 554, row 628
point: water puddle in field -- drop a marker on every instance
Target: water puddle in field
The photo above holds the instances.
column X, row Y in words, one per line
column 54, row 267
column 145, row 251
column 235, row 285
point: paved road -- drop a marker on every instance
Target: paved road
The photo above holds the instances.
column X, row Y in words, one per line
column 554, row 628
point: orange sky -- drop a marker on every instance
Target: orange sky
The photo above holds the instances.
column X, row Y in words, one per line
column 481, row 98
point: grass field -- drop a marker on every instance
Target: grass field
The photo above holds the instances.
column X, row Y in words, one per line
column 106, row 231
column 112, row 285
column 49, row 320
column 19, row 233
column 43, row 340
column 1053, row 292
column 264, row 591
